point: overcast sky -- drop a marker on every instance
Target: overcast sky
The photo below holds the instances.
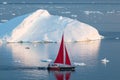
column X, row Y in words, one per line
column 61, row 1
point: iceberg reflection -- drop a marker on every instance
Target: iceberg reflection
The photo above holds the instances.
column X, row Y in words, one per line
column 28, row 55
column 86, row 52
column 32, row 54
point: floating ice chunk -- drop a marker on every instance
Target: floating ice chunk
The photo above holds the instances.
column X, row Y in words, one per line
column 46, row 60
column 35, row 41
column 13, row 14
column 67, row 12
column 117, row 38
column 73, row 15
column 105, row 60
column 4, row 20
column 110, row 12
column 17, row 61
column 79, row 64
column 4, row 2
column 92, row 12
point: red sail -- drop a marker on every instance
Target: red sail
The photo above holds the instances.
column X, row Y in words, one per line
column 60, row 56
column 67, row 60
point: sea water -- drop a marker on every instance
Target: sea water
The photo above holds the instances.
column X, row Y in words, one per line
column 20, row 63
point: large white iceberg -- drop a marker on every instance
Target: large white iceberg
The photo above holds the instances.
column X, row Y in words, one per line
column 40, row 26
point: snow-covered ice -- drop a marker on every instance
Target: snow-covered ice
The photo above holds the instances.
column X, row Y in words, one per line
column 41, row 26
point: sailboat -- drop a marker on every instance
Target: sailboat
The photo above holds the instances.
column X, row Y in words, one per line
column 62, row 61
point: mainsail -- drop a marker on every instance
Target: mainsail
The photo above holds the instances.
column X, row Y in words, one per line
column 67, row 59
column 62, row 54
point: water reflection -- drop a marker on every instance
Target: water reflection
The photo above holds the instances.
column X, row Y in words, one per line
column 32, row 54
column 0, row 43
column 85, row 51
column 61, row 75
column 28, row 55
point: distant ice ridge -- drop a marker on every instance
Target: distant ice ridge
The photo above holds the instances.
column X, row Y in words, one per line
column 40, row 26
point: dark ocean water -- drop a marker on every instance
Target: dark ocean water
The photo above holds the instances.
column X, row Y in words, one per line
column 103, row 16
column 19, row 63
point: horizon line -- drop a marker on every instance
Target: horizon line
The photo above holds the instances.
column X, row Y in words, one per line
column 98, row 3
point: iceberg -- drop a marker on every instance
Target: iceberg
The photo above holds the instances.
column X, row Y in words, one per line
column 7, row 27
column 41, row 26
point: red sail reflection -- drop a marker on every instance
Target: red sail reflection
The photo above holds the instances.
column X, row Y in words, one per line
column 62, row 75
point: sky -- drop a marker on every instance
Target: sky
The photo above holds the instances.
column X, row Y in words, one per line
column 61, row 1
